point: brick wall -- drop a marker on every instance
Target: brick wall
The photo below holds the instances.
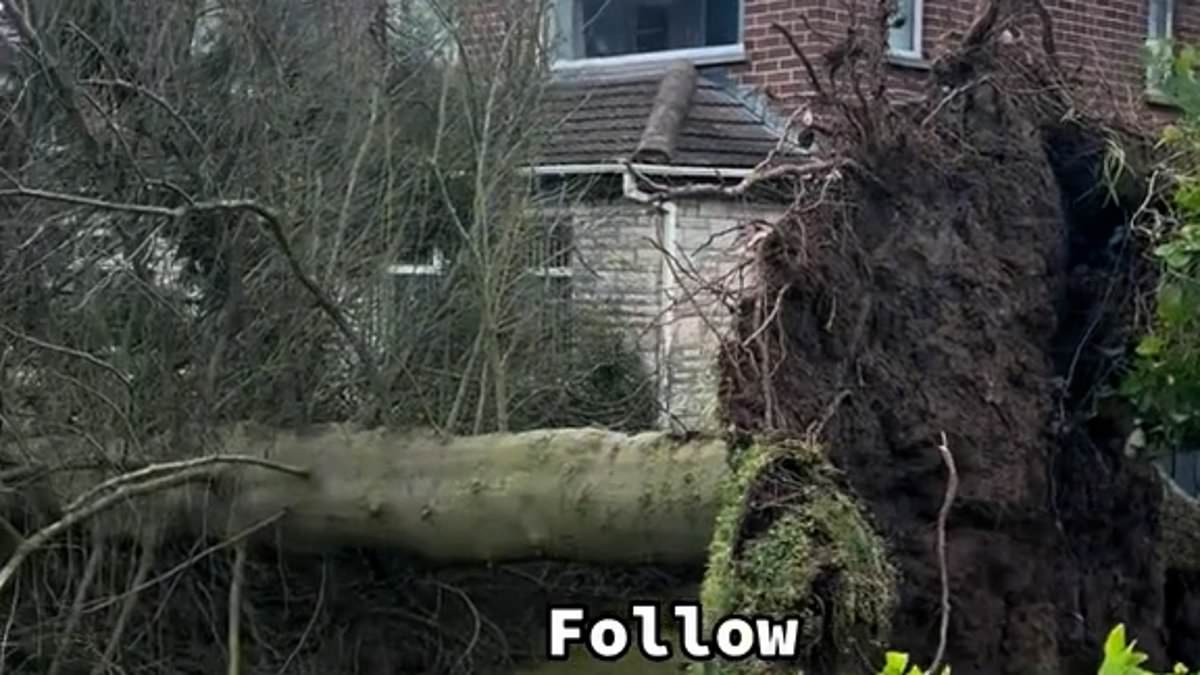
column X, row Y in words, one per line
column 1100, row 39
column 619, row 271
column 674, row 323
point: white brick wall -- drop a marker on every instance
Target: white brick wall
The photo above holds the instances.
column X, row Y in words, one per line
column 675, row 320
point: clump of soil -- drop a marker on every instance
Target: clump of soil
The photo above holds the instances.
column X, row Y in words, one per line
column 963, row 273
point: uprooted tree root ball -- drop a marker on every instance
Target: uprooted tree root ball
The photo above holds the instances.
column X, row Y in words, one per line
column 791, row 540
column 950, row 269
column 964, row 270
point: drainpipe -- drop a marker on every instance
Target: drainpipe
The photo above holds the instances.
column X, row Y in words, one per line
column 666, row 286
column 657, row 146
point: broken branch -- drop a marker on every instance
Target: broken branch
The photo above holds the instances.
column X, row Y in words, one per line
column 943, row 568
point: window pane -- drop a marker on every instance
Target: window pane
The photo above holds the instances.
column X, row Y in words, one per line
column 653, row 26
column 605, row 28
column 1160, row 19
column 723, row 22
column 901, row 38
column 1159, row 62
column 598, row 28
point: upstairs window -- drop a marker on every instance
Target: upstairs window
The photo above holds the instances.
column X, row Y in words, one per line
column 631, row 31
column 904, row 37
column 1159, row 22
column 1160, row 18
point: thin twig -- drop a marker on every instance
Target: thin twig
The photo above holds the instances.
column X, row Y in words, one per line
column 343, row 223
column 158, row 100
column 312, row 620
column 958, row 91
column 664, row 192
column 44, row 535
column 943, row 516
column 166, row 467
column 235, row 608
column 145, row 563
column 770, row 317
column 85, row 585
column 63, row 87
column 808, row 66
column 183, row 566
column 49, row 346
column 272, row 222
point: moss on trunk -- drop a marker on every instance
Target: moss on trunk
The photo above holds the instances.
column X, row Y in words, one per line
column 791, row 540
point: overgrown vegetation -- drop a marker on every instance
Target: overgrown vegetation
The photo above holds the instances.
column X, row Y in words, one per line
column 219, row 211
column 1121, row 657
column 791, row 540
column 1164, row 383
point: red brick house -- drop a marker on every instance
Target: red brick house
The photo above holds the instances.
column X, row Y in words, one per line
column 648, row 91
column 1103, row 37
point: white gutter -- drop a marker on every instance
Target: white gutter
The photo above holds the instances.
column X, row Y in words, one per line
column 666, row 327
column 644, row 169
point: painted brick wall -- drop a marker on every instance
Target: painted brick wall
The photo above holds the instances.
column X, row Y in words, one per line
column 675, row 323
column 711, row 241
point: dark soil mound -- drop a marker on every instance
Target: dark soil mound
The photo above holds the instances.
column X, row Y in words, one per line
column 965, row 275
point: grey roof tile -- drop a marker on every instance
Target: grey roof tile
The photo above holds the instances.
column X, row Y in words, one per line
column 604, row 117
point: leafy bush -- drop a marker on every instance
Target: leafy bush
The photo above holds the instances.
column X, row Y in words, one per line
column 896, row 663
column 1120, row 658
column 1164, row 383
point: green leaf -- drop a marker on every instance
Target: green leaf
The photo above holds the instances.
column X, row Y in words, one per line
column 1171, row 306
column 894, row 663
column 1150, row 346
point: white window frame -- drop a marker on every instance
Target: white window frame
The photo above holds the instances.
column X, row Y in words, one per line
column 700, row 56
column 916, row 22
column 435, row 267
column 552, row 272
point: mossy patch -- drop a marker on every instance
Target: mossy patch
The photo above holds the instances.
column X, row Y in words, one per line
column 792, row 541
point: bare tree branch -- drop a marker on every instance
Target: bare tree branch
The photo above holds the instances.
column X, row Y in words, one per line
column 273, row 224
column 757, row 177
column 54, row 72
column 199, row 470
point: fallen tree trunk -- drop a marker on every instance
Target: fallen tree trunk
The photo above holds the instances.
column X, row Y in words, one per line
column 573, row 494
column 580, row 494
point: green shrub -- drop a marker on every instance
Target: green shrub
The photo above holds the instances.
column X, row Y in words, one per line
column 1120, row 658
column 1164, row 383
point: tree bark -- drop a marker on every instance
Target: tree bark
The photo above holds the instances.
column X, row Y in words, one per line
column 580, row 494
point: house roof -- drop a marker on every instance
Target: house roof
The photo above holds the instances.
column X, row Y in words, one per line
column 671, row 116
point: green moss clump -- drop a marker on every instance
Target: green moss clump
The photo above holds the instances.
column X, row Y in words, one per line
column 790, row 541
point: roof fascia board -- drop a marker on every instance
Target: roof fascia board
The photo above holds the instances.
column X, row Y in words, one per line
column 646, row 169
